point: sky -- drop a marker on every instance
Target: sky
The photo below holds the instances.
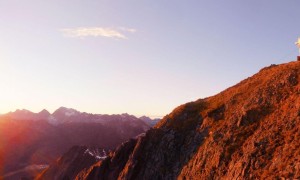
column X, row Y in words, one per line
column 142, row 57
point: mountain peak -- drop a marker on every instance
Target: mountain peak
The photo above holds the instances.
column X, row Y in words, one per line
column 145, row 118
column 25, row 111
column 63, row 111
column 44, row 112
column 62, row 108
column 149, row 121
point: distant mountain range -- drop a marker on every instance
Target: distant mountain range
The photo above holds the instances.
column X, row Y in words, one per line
column 31, row 141
column 68, row 115
column 149, row 121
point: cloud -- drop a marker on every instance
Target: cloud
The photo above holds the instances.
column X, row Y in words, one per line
column 127, row 29
column 82, row 32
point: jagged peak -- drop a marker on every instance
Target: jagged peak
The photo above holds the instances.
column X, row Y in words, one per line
column 66, row 111
column 62, row 108
column 44, row 112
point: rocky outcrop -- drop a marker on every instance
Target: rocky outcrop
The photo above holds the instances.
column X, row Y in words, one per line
column 71, row 163
column 249, row 131
column 113, row 165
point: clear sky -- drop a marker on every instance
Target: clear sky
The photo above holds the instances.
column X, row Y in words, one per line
column 136, row 56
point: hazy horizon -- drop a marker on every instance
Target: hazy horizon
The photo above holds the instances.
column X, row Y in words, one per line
column 51, row 112
column 136, row 57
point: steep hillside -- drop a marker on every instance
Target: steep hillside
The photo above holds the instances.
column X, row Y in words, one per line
column 249, row 131
column 34, row 140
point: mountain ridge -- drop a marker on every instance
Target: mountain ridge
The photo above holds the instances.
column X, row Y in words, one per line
column 248, row 131
column 67, row 115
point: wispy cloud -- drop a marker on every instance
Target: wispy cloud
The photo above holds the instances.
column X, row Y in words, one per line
column 81, row 32
column 127, row 29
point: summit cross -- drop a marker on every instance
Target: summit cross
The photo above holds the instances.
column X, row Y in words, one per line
column 298, row 45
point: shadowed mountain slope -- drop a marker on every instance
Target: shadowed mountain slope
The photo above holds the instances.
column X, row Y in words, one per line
column 72, row 162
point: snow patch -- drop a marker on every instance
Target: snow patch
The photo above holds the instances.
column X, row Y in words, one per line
column 140, row 135
column 52, row 120
column 98, row 155
column 70, row 113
